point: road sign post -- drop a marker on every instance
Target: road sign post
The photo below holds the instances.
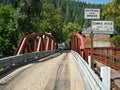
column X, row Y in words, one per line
column 92, row 14
column 91, row 51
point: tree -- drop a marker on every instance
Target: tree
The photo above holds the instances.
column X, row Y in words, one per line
column 69, row 30
column 8, row 33
column 72, row 10
column 51, row 21
column 112, row 12
column 116, row 40
column 27, row 15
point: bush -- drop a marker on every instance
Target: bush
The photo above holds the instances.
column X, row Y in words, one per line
column 116, row 40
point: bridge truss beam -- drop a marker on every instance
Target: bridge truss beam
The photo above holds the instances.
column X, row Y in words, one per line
column 36, row 42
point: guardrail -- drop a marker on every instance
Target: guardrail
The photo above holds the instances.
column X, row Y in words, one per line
column 12, row 61
column 91, row 81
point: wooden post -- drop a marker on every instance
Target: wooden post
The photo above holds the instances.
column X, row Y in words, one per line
column 91, row 51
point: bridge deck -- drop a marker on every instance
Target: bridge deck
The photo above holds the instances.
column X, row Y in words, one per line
column 59, row 73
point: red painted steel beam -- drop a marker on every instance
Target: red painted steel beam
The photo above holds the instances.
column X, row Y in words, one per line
column 36, row 42
column 39, row 44
column 78, row 43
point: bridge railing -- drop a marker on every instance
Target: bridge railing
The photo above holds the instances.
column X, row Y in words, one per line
column 91, row 80
column 106, row 55
column 12, row 61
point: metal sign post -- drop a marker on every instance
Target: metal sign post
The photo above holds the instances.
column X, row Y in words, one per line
column 92, row 14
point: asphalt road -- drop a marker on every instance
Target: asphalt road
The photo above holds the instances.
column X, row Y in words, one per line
column 59, row 73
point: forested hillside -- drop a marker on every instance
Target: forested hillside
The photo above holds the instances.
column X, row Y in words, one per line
column 72, row 10
column 61, row 18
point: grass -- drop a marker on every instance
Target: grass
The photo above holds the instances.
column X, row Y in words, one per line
column 1, row 69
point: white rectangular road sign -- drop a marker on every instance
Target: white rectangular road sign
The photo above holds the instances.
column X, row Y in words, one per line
column 102, row 25
column 92, row 13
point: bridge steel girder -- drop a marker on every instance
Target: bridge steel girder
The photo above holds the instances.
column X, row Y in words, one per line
column 78, row 44
column 36, row 42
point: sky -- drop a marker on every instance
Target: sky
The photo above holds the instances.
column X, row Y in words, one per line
column 97, row 1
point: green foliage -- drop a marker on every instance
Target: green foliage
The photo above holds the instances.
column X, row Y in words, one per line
column 14, row 3
column 50, row 18
column 116, row 40
column 112, row 12
column 1, row 69
column 8, row 33
column 27, row 15
column 62, row 19
column 72, row 10
column 69, row 30
column 51, row 21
